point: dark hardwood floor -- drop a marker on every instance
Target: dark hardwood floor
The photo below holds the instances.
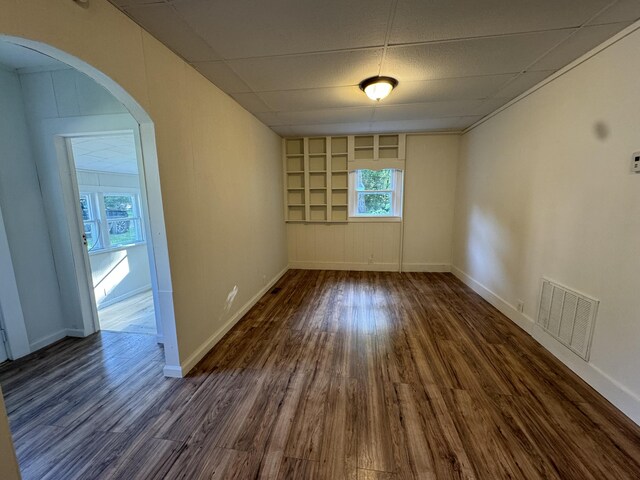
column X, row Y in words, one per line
column 333, row 375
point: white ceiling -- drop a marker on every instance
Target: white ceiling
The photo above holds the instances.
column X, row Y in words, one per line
column 106, row 153
column 296, row 65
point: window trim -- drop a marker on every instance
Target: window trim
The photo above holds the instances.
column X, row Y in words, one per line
column 98, row 212
column 396, row 197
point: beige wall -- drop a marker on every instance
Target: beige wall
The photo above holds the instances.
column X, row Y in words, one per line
column 430, row 182
column 8, row 464
column 545, row 188
column 220, row 168
column 430, row 186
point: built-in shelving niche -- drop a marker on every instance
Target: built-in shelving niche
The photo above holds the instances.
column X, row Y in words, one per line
column 316, row 171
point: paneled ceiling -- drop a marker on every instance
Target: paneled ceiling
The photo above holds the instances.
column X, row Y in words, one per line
column 106, row 153
column 296, row 65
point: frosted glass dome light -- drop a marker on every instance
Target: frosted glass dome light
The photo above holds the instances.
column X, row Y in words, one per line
column 378, row 88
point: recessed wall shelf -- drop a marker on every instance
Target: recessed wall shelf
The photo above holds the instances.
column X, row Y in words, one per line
column 316, row 172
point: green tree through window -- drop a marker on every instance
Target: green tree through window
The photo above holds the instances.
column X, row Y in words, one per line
column 374, row 192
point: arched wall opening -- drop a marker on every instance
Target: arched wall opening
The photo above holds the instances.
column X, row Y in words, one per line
column 159, row 258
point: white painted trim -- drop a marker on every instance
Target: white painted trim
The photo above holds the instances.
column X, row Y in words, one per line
column 129, row 294
column 172, row 371
column 426, row 267
column 75, row 332
column 195, row 357
column 149, row 172
column 48, row 340
column 359, row 267
column 620, row 396
column 591, row 53
column 497, row 301
column 54, row 337
column 10, row 305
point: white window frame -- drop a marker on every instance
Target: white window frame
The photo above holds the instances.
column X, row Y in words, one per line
column 397, row 184
column 99, row 216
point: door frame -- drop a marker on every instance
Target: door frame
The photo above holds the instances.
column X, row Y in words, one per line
column 10, row 307
column 162, row 275
column 75, row 218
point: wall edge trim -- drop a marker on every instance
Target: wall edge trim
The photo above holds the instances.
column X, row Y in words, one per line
column 616, row 393
column 185, row 367
column 559, row 73
column 356, row 266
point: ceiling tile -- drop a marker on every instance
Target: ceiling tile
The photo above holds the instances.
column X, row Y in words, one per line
column 251, row 102
column 316, row 98
column 222, row 76
column 331, row 129
column 466, row 122
column 522, row 83
column 418, row 125
column 464, row 88
column 416, row 111
column 308, row 71
column 463, row 58
column 162, row 22
column 420, row 21
column 490, row 106
column 283, row 131
column 330, row 115
column 269, row 118
column 622, row 11
column 241, row 29
column 577, row 45
column 127, row 3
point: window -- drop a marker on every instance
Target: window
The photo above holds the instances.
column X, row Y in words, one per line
column 91, row 224
column 111, row 220
column 123, row 219
column 376, row 193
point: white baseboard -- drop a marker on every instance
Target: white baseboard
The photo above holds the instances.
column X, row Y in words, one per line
column 54, row 337
column 47, row 340
column 426, row 267
column 621, row 397
column 195, row 357
column 171, row 371
column 120, row 298
column 75, row 332
column 359, row 267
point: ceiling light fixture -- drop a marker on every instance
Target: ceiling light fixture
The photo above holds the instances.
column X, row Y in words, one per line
column 378, row 88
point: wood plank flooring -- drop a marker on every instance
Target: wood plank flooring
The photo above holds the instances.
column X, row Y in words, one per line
column 333, row 375
column 132, row 315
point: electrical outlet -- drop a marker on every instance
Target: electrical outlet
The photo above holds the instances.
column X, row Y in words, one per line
column 371, row 259
column 520, row 306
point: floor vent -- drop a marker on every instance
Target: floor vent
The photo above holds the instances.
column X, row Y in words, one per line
column 568, row 316
column 275, row 290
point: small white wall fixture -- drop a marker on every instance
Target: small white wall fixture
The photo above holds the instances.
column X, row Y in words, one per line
column 150, row 176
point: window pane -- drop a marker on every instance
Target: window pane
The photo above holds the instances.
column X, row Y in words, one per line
column 124, row 232
column 118, row 206
column 91, row 233
column 84, row 207
column 374, row 204
column 374, row 179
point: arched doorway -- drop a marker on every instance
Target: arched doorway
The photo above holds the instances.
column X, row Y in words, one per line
column 158, row 252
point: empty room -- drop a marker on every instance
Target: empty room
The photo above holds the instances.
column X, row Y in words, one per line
column 363, row 240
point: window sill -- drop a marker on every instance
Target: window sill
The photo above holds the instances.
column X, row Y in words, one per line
column 116, row 249
column 375, row 219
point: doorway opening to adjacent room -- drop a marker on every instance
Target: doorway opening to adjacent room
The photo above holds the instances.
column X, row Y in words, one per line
column 113, row 213
column 83, row 246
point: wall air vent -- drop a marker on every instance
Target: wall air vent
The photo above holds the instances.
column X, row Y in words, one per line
column 568, row 316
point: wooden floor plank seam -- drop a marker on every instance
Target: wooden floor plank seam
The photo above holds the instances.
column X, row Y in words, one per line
column 331, row 375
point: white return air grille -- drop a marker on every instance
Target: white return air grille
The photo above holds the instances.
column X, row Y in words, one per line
column 568, row 316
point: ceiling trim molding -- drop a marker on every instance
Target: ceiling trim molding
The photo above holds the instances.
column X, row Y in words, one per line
column 564, row 70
